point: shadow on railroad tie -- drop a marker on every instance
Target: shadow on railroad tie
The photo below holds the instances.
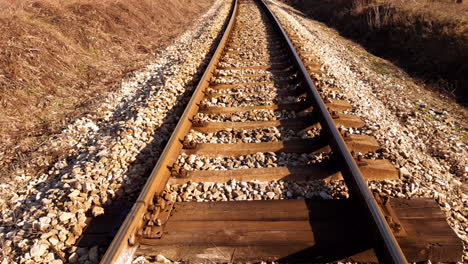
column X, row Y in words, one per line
column 338, row 231
column 338, row 234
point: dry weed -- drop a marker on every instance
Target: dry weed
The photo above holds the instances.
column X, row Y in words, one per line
column 426, row 38
column 57, row 57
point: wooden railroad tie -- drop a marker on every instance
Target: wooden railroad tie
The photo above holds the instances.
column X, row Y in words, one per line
column 298, row 230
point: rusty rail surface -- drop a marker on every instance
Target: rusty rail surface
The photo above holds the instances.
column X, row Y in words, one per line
column 122, row 246
column 387, row 248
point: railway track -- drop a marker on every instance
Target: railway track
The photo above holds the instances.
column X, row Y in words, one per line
column 262, row 167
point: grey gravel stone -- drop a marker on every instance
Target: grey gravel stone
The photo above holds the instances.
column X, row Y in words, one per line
column 411, row 123
column 103, row 148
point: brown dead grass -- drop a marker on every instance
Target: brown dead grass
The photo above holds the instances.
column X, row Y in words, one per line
column 437, row 9
column 427, row 38
column 58, row 57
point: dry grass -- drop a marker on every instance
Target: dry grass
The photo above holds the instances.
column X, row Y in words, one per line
column 447, row 9
column 58, row 56
column 427, row 38
column 438, row 10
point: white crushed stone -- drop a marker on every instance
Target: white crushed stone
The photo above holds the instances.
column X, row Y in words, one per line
column 256, row 190
column 254, row 115
column 257, row 135
column 422, row 131
column 44, row 211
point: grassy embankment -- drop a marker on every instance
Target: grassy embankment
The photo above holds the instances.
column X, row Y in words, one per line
column 427, row 38
column 58, row 57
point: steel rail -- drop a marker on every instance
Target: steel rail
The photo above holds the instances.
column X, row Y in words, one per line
column 122, row 248
column 388, row 249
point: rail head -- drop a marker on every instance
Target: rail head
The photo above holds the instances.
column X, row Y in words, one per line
column 121, row 249
column 389, row 250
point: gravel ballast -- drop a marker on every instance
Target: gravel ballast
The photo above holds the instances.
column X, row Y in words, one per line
column 44, row 215
column 423, row 131
column 112, row 150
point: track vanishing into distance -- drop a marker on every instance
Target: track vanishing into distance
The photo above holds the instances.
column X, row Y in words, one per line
column 262, row 167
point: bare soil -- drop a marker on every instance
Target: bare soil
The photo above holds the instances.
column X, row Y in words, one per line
column 58, row 58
